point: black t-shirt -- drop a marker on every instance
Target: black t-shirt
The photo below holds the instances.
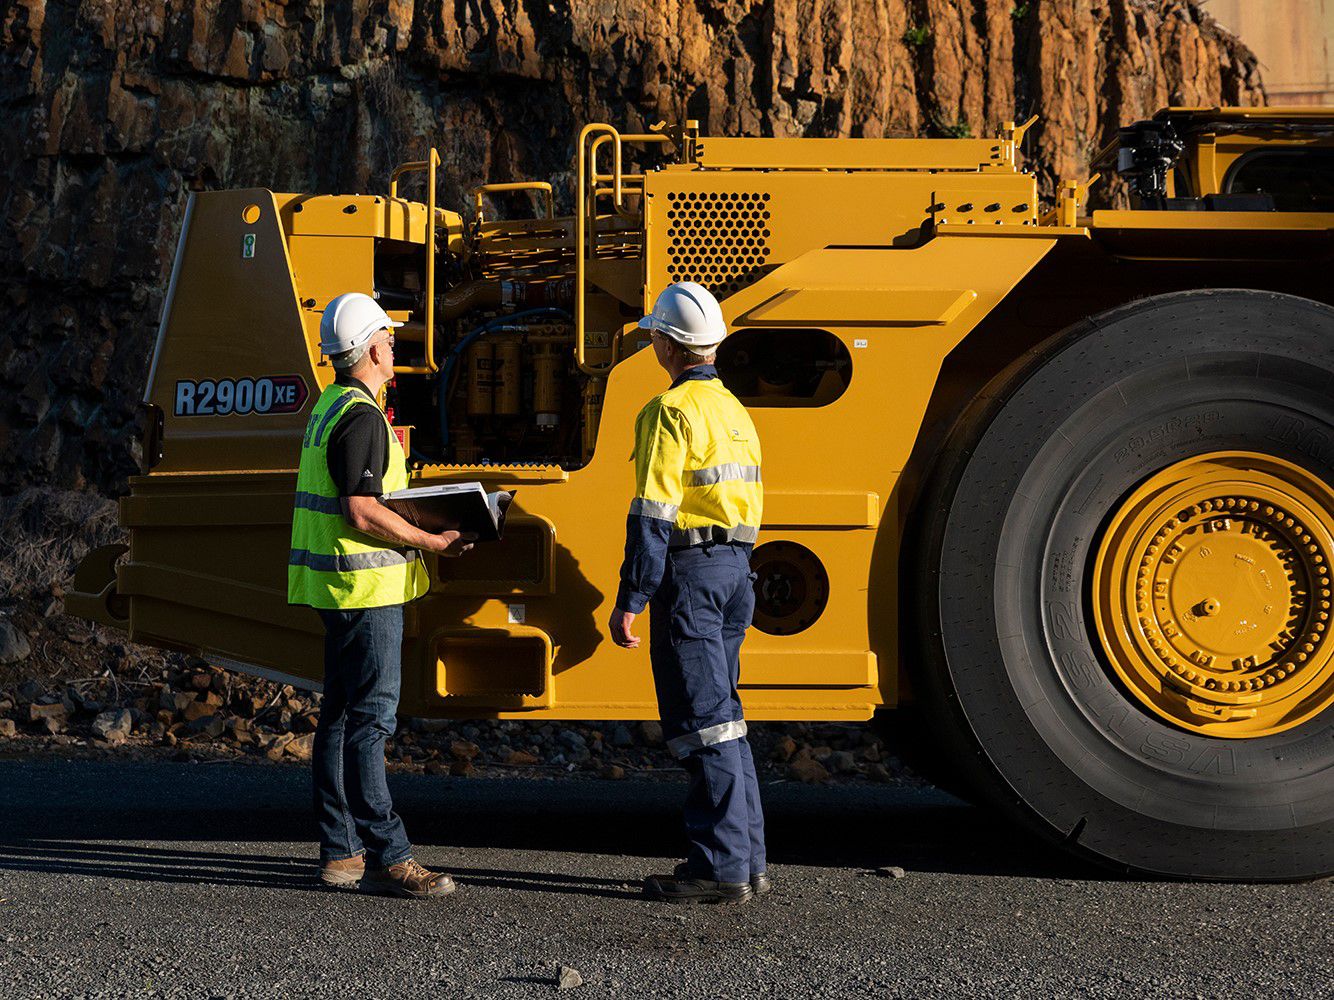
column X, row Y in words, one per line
column 358, row 452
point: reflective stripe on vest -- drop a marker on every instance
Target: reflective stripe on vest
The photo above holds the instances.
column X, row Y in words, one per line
column 728, row 472
column 331, row 565
column 639, row 507
column 715, row 533
column 352, row 562
column 313, row 501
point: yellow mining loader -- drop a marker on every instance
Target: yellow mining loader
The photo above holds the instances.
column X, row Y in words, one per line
column 1048, row 491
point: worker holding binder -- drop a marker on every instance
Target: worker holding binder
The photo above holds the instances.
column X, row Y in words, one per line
column 357, row 562
column 689, row 535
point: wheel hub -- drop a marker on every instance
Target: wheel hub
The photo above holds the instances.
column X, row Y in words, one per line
column 1212, row 594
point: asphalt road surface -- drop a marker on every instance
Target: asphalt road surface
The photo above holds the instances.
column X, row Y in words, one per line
column 195, row 880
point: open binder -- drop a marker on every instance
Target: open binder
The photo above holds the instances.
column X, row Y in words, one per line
column 453, row 506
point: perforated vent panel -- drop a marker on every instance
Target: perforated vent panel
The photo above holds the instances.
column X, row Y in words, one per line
column 720, row 240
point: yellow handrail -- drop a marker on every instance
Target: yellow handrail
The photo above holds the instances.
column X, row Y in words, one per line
column 607, row 192
column 400, row 170
column 484, row 189
column 580, row 237
column 586, row 210
column 617, row 176
column 596, row 178
column 429, row 164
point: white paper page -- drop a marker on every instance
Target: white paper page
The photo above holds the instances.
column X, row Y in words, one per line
column 493, row 504
column 443, row 489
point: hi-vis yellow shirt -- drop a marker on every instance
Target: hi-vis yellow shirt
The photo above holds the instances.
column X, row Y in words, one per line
column 697, row 479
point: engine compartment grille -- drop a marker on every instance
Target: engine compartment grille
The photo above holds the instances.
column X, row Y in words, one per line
column 718, row 239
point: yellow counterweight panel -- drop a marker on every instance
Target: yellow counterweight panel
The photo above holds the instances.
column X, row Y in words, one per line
column 232, row 316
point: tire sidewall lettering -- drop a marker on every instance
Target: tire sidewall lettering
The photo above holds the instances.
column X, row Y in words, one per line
column 1305, row 437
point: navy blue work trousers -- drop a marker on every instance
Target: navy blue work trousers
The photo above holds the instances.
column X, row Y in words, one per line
column 698, row 619
column 362, row 661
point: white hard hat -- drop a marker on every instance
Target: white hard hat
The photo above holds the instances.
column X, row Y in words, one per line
column 349, row 322
column 689, row 314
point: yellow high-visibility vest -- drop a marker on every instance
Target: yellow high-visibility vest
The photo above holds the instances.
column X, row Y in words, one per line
column 331, row 565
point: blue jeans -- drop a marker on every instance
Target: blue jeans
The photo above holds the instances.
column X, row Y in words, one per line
column 698, row 620
column 362, row 661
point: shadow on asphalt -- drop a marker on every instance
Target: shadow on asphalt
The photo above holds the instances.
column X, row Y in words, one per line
column 65, row 817
column 135, row 863
column 146, row 864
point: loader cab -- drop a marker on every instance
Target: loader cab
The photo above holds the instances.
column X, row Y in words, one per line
column 1228, row 160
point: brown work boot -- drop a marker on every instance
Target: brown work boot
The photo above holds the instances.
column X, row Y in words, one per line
column 407, row 879
column 343, row 874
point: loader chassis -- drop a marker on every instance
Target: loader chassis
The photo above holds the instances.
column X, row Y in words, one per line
column 888, row 302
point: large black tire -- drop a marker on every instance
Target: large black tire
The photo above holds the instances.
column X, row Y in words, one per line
column 1015, row 681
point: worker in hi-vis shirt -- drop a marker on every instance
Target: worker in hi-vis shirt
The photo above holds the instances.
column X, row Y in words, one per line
column 689, row 535
column 356, row 562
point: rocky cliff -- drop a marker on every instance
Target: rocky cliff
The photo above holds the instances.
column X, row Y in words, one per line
column 118, row 108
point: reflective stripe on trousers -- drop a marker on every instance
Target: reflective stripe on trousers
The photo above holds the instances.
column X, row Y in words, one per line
column 711, row 736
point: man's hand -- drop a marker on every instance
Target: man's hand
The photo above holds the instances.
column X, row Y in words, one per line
column 369, row 515
column 452, row 543
column 620, row 624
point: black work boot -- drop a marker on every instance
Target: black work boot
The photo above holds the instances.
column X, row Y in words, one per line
column 760, row 882
column 683, row 887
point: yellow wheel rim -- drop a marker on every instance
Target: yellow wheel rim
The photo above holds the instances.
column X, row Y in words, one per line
column 1211, row 594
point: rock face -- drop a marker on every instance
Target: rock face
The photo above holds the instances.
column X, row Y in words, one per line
column 118, row 108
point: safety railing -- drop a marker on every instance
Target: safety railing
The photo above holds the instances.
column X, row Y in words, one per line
column 480, row 192
column 622, row 183
column 586, row 211
column 428, row 367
